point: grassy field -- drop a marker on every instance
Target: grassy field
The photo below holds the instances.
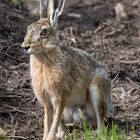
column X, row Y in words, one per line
column 113, row 133
column 106, row 134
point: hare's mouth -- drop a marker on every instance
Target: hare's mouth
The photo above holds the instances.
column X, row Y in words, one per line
column 29, row 51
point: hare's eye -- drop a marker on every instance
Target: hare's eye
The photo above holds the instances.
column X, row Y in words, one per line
column 44, row 32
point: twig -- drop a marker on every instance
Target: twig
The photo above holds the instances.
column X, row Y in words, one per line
column 17, row 137
column 11, row 57
column 130, row 62
column 15, row 68
column 114, row 79
column 14, row 108
column 132, row 82
column 99, row 28
column 14, row 131
column 8, row 96
column 132, row 115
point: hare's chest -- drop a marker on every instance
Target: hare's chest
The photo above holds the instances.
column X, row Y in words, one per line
column 38, row 84
column 44, row 81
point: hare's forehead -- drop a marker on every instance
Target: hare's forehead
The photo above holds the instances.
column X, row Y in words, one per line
column 36, row 27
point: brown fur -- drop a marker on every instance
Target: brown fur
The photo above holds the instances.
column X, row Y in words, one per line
column 61, row 77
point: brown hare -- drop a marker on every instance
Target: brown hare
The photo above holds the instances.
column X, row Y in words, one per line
column 63, row 78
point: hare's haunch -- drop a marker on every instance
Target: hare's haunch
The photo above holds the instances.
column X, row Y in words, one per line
column 64, row 79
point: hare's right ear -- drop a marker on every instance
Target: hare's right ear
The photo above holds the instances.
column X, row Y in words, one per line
column 53, row 12
column 43, row 8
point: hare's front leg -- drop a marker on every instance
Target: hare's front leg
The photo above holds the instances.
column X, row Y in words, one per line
column 56, row 119
column 61, row 131
column 48, row 116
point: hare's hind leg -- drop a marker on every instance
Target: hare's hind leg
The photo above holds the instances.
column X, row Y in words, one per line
column 90, row 113
column 97, row 99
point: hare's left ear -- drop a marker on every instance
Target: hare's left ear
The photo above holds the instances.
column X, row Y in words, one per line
column 53, row 12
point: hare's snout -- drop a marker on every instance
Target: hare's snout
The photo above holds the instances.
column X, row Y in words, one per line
column 27, row 48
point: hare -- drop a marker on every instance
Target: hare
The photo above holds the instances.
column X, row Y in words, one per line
column 63, row 77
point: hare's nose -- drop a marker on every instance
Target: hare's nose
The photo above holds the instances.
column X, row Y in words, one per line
column 26, row 48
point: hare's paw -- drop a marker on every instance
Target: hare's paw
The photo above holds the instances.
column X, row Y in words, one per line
column 51, row 137
column 45, row 137
column 61, row 135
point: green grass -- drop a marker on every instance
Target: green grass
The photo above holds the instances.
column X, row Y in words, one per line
column 110, row 134
column 85, row 129
column 113, row 133
column 105, row 134
column 16, row 2
column 3, row 137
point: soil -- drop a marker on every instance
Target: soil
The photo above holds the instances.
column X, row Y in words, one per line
column 90, row 25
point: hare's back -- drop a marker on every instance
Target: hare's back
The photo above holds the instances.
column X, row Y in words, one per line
column 80, row 58
column 83, row 66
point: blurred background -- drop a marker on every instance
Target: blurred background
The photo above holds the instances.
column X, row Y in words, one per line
column 107, row 29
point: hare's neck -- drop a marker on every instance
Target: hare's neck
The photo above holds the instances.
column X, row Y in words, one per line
column 47, row 59
column 39, row 67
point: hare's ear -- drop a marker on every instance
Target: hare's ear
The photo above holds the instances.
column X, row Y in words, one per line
column 53, row 12
column 43, row 8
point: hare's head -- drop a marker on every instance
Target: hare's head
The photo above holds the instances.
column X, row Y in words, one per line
column 41, row 34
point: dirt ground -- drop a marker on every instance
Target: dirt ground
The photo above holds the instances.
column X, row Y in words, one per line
column 90, row 25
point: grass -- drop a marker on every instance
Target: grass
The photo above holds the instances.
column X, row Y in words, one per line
column 110, row 134
column 16, row 2
column 3, row 137
column 113, row 133
column 105, row 134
